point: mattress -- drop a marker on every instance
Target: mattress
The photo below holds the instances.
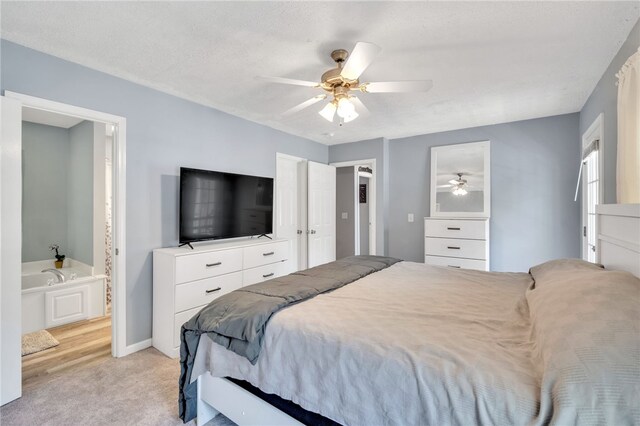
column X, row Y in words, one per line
column 402, row 346
column 421, row 345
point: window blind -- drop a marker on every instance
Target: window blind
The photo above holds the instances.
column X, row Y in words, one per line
column 593, row 146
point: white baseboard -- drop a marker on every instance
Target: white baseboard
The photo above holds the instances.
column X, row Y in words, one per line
column 136, row 347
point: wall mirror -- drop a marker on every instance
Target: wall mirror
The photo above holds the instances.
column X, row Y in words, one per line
column 460, row 180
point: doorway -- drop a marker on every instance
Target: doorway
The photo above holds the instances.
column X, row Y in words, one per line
column 66, row 274
column 66, row 255
column 355, row 208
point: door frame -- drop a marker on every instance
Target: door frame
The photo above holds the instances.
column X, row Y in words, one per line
column 118, row 281
column 372, row 198
column 594, row 131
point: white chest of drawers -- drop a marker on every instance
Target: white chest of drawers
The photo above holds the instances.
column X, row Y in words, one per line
column 457, row 243
column 186, row 280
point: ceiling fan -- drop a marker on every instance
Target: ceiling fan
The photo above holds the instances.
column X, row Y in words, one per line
column 458, row 186
column 340, row 81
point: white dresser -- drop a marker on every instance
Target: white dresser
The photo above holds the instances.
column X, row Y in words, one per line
column 457, row 243
column 185, row 280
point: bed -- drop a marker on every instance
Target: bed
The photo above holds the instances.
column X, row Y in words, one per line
column 416, row 344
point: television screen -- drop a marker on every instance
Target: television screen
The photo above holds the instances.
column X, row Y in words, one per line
column 217, row 205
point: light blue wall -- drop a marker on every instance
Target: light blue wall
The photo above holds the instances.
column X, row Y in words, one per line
column 163, row 133
column 364, row 150
column 604, row 99
column 533, row 173
column 80, row 193
column 45, row 155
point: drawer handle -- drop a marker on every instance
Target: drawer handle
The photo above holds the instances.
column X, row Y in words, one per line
column 453, row 266
column 453, row 248
column 209, row 265
column 213, row 290
column 453, row 229
column 271, row 253
column 267, row 275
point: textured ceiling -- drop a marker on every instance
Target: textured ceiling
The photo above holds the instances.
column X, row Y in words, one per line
column 490, row 62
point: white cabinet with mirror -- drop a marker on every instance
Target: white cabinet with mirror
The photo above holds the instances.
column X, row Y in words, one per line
column 460, row 193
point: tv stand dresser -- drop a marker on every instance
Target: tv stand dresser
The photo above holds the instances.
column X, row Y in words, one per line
column 186, row 280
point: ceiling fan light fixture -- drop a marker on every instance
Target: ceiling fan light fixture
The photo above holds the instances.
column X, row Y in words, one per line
column 346, row 109
column 328, row 112
column 459, row 191
column 350, row 117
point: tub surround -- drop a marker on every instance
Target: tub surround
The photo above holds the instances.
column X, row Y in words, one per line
column 37, row 266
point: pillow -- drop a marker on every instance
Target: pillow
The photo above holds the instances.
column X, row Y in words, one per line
column 560, row 268
column 585, row 325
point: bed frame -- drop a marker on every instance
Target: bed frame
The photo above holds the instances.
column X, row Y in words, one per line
column 618, row 245
column 236, row 403
column 618, row 248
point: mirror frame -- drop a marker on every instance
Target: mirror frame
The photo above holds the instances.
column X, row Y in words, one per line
column 487, row 182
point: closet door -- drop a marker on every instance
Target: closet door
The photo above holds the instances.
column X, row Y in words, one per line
column 289, row 203
column 321, row 183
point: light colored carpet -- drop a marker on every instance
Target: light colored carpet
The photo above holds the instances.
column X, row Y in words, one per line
column 139, row 389
column 37, row 341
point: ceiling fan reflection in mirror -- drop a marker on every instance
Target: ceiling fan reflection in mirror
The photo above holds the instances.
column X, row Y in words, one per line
column 340, row 81
column 458, row 186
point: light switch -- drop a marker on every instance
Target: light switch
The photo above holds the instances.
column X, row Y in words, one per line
column 410, row 217
column 345, row 215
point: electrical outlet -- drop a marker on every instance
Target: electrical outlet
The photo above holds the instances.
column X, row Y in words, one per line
column 410, row 217
column 345, row 215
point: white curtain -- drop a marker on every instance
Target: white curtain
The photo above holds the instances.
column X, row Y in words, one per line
column 628, row 169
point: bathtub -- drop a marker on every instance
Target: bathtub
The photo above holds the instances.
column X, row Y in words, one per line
column 47, row 303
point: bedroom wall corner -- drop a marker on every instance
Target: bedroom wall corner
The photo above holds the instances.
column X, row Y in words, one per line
column 533, row 173
column 603, row 99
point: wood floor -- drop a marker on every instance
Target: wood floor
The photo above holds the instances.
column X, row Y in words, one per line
column 81, row 343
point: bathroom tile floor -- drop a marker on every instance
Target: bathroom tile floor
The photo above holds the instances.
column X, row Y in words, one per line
column 81, row 343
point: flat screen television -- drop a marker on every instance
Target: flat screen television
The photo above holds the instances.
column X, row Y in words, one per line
column 215, row 205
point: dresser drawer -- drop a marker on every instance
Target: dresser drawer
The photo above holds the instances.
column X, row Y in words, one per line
column 449, row 247
column 209, row 264
column 201, row 292
column 180, row 319
column 456, row 228
column 454, row 262
column 263, row 273
column 264, row 254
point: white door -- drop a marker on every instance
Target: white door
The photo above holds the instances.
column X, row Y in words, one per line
column 321, row 213
column 288, row 207
column 592, row 166
column 11, row 244
column 591, row 197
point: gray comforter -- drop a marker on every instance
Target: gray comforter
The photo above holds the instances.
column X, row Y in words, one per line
column 237, row 320
column 420, row 345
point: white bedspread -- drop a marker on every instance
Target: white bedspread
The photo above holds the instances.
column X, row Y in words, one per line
column 410, row 345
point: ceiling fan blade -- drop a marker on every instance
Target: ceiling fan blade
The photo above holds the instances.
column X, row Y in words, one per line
column 453, row 182
column 292, row 81
column 360, row 108
column 304, row 105
column 360, row 58
column 445, row 186
column 397, row 86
